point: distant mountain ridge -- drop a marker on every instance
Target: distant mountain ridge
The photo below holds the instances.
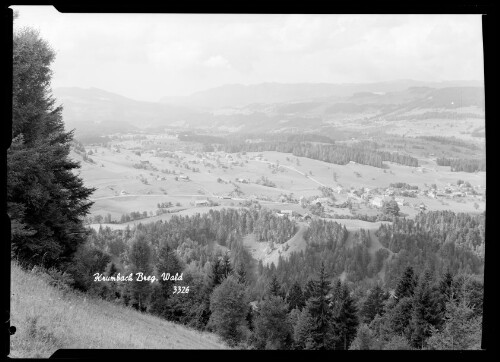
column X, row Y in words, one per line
column 278, row 108
column 94, row 109
column 238, row 95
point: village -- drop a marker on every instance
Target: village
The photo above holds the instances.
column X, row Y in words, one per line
column 294, row 187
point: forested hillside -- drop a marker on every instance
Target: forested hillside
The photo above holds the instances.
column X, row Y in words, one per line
column 332, row 153
column 223, row 278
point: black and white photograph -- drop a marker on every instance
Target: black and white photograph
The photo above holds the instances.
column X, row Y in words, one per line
column 239, row 181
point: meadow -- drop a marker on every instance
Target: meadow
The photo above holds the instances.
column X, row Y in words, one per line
column 229, row 179
column 48, row 318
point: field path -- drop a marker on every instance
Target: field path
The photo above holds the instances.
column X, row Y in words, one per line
column 260, row 249
column 293, row 169
column 194, row 195
column 375, row 245
column 147, row 195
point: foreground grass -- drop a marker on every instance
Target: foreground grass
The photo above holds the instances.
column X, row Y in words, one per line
column 48, row 319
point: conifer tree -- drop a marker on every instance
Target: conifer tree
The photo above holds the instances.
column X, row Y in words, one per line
column 425, row 311
column 241, row 274
column 226, row 267
column 167, row 262
column 374, row 304
column 216, row 276
column 318, row 305
column 139, row 261
column 295, row 297
column 461, row 330
column 303, row 331
column 406, row 284
column 363, row 340
column 46, row 200
column 271, row 327
column 274, row 287
column 399, row 316
column 345, row 320
column 229, row 307
column 308, row 289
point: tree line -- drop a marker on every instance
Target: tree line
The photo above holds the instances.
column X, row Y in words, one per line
column 436, row 240
column 332, row 153
column 462, row 164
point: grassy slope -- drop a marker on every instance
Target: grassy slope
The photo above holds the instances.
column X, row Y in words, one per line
column 48, row 319
column 118, row 174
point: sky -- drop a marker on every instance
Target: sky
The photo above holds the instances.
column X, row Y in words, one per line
column 150, row 56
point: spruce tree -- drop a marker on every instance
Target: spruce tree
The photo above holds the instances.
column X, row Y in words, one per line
column 271, row 327
column 216, row 275
column 241, row 274
column 303, row 331
column 445, row 292
column 425, row 313
column 167, row 262
column 406, row 284
column 309, row 289
column 363, row 340
column 274, row 287
column 295, row 298
column 373, row 305
column 345, row 319
column 226, row 267
column 46, row 200
column 318, row 305
column 446, row 285
column 462, row 329
column 139, row 260
column 399, row 316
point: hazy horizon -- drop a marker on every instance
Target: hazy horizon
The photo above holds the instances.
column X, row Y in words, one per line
column 263, row 83
column 150, row 56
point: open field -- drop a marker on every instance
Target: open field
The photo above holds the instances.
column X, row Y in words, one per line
column 355, row 225
column 129, row 180
column 263, row 251
column 163, row 217
column 47, row 319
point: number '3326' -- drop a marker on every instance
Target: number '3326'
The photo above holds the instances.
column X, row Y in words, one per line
column 180, row 289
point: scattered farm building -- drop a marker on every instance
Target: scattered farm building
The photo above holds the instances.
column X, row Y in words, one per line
column 400, row 201
column 377, row 201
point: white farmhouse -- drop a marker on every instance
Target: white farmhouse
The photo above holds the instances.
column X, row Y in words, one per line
column 377, row 201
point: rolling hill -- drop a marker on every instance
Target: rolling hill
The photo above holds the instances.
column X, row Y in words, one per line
column 273, row 107
column 238, row 95
column 47, row 319
column 95, row 111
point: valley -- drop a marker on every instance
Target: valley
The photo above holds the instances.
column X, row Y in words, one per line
column 156, row 176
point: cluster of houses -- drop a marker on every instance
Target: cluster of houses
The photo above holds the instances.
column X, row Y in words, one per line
column 379, row 201
column 453, row 190
column 292, row 215
column 243, row 180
